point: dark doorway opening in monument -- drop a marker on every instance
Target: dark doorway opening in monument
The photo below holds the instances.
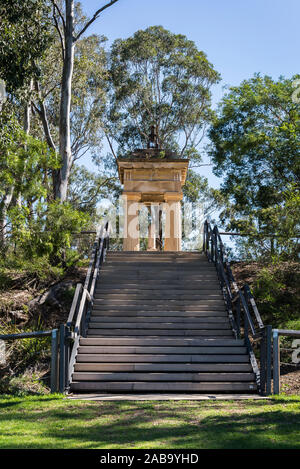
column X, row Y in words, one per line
column 155, row 227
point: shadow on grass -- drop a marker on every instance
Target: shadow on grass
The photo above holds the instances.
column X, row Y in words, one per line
column 155, row 424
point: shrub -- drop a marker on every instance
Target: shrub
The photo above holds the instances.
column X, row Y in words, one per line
column 49, row 233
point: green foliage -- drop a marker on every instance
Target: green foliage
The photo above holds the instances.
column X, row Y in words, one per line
column 24, row 353
column 29, row 268
column 25, row 33
column 256, row 148
column 162, row 79
column 276, row 291
column 24, row 159
column 86, row 189
column 49, row 233
column 27, row 384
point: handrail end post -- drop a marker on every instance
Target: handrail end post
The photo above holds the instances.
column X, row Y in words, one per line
column 276, row 362
column 54, row 361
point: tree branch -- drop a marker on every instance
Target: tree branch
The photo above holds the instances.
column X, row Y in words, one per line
column 55, row 6
column 110, row 144
column 43, row 115
column 98, row 190
column 96, row 15
column 60, row 34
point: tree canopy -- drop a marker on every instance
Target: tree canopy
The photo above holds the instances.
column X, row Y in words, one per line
column 25, row 34
column 255, row 147
column 159, row 79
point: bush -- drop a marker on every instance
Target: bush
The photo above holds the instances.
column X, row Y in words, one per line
column 24, row 353
column 49, row 233
column 276, row 290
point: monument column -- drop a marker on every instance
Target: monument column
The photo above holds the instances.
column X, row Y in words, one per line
column 173, row 226
column 154, row 177
column 131, row 222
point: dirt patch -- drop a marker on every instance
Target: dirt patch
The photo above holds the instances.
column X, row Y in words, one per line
column 23, row 306
column 290, row 380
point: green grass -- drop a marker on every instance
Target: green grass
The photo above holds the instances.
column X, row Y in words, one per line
column 54, row 422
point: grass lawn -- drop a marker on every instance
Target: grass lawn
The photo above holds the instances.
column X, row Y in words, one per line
column 54, row 422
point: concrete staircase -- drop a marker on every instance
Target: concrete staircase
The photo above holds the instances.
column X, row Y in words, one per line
column 159, row 323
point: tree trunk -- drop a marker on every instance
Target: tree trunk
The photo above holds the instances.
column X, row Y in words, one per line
column 3, row 215
column 65, row 106
column 26, row 128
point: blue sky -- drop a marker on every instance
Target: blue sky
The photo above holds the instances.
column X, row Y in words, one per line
column 240, row 37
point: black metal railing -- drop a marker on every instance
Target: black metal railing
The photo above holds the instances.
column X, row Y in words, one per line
column 54, row 368
column 65, row 339
column 80, row 311
column 276, row 354
column 243, row 313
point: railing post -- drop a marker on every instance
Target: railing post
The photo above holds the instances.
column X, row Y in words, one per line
column 68, row 340
column 238, row 317
column 62, row 358
column 54, row 361
column 268, row 359
column 276, row 362
column 263, row 362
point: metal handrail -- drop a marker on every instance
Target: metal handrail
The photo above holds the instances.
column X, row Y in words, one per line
column 54, row 350
column 276, row 354
column 240, row 306
column 77, row 323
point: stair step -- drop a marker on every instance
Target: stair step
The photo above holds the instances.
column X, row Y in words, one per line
column 123, row 349
column 160, row 270
column 131, row 386
column 184, row 341
column 158, row 332
column 155, row 308
column 153, row 257
column 147, row 289
column 157, row 325
column 167, row 367
column 163, row 295
column 161, row 358
column 156, row 263
column 159, row 319
column 157, row 301
column 193, row 377
column 98, row 312
column 151, row 283
column 176, row 254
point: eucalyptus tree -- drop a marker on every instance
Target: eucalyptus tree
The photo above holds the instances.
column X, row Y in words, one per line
column 25, row 34
column 255, row 146
column 159, row 79
column 88, row 100
column 69, row 34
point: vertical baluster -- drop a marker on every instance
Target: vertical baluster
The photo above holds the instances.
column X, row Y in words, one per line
column 54, row 356
column 62, row 357
column 238, row 318
column 268, row 359
column 276, row 362
column 263, row 362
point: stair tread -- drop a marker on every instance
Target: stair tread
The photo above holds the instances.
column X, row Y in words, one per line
column 156, row 386
column 148, row 341
column 169, row 367
column 162, row 376
column 160, row 358
column 162, row 314
column 160, row 332
column 165, row 349
column 158, row 325
column 159, row 319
